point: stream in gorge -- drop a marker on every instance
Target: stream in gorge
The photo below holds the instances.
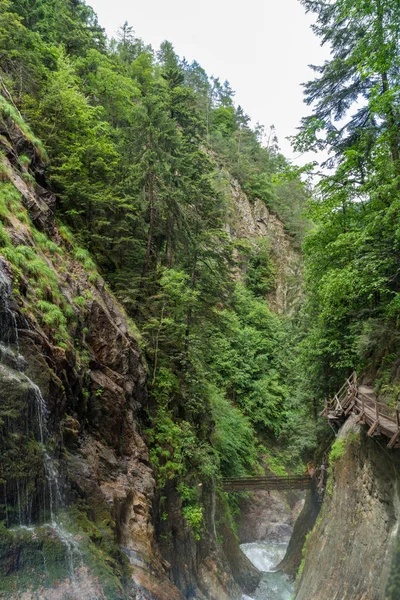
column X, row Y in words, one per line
column 265, row 556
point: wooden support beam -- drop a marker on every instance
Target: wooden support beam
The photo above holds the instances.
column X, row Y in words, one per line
column 366, row 409
column 373, row 429
column 393, row 440
column 324, row 413
column 361, row 418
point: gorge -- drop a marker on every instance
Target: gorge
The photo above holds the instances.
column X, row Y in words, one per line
column 178, row 306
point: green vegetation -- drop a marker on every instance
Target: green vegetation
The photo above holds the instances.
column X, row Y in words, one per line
column 41, row 560
column 352, row 252
column 338, row 450
column 192, row 510
column 11, row 114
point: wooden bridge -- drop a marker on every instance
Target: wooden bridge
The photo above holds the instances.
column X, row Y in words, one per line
column 361, row 401
column 249, row 484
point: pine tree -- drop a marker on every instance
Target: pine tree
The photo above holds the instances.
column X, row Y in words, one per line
column 354, row 95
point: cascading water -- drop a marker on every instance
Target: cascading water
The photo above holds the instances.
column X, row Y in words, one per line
column 36, row 501
column 274, row 584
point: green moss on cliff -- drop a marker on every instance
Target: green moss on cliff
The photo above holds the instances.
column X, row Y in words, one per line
column 30, row 559
column 9, row 112
column 337, row 451
column 100, row 550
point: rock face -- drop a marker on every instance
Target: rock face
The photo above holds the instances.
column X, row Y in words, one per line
column 269, row 516
column 73, row 381
column 352, row 550
column 214, row 568
column 253, row 221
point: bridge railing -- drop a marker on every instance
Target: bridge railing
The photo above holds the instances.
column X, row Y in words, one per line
column 343, row 398
column 382, row 418
column 266, row 483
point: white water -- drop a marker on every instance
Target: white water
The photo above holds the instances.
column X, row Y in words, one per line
column 274, row 584
column 10, row 352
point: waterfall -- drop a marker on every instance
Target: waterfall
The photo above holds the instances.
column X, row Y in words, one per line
column 265, row 556
column 12, row 366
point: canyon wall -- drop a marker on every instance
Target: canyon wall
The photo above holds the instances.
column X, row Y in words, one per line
column 352, row 551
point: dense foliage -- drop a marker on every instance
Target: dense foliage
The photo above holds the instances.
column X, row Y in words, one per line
column 353, row 252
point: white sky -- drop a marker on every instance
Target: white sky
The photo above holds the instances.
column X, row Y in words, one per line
column 262, row 47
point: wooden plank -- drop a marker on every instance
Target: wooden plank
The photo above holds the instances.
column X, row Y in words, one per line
column 242, row 484
column 351, row 398
column 349, row 408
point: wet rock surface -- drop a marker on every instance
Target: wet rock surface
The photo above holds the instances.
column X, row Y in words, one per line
column 93, row 389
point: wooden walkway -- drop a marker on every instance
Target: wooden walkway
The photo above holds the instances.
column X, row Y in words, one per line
column 249, row 484
column 361, row 401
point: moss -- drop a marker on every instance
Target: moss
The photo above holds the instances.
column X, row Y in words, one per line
column 28, row 178
column 80, row 301
column 44, row 294
column 21, row 460
column 24, row 160
column 100, row 549
column 4, row 172
column 66, row 235
column 393, row 585
column 30, row 559
column 45, row 244
column 10, row 199
column 52, row 316
column 337, row 451
column 85, row 259
column 8, row 111
column 304, row 552
column 37, row 558
column 5, row 239
column 69, row 312
column 22, row 216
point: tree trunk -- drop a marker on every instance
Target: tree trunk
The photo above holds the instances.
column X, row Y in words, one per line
column 390, row 113
column 190, row 312
column 146, row 263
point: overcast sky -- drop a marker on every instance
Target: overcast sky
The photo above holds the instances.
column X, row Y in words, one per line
column 262, row 47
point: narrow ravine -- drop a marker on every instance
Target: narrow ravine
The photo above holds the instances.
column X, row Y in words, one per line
column 274, row 585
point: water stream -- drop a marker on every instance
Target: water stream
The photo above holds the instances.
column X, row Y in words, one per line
column 274, row 584
column 12, row 366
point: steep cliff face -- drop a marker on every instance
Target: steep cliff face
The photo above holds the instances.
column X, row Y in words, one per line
column 253, row 221
column 76, row 483
column 352, row 549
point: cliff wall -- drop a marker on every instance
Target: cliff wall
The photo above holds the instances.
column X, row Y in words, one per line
column 351, row 552
column 253, row 221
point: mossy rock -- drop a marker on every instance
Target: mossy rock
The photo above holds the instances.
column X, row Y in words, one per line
column 30, row 558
